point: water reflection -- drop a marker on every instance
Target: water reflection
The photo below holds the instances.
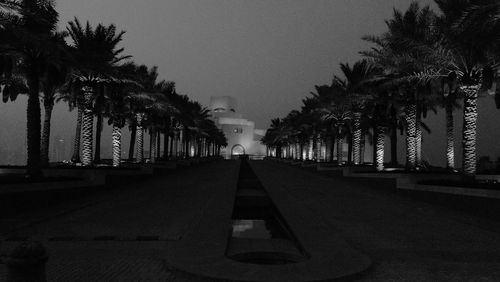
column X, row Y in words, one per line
column 251, row 228
column 260, row 234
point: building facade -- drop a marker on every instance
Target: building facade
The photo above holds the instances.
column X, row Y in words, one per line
column 242, row 136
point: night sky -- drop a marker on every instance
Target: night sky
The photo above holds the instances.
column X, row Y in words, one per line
column 266, row 54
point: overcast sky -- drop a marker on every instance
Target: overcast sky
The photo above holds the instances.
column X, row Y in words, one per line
column 268, row 54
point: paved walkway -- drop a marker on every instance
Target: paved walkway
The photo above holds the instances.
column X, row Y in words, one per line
column 408, row 240
column 122, row 236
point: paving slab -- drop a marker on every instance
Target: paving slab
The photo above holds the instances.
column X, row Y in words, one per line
column 123, row 235
column 407, row 239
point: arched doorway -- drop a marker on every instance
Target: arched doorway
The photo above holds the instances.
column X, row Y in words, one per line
column 237, row 150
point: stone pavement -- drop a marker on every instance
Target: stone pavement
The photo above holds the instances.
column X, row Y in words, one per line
column 408, row 240
column 122, row 236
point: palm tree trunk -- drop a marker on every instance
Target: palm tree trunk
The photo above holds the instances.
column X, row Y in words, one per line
column 450, row 137
column 87, row 126
column 356, row 138
column 349, row 148
column 394, row 146
column 332, row 148
column 48, row 105
column 98, row 134
column 418, row 139
column 340, row 145
column 469, row 130
column 187, row 149
column 132, row 142
column 199, row 146
column 418, row 146
column 158, row 144
column 153, row 145
column 166, row 147
column 362, row 148
column 117, row 145
column 173, row 140
column 150, row 143
column 34, row 168
column 410, row 136
column 379, row 148
column 179, row 146
column 299, row 151
column 76, row 145
column 394, row 137
column 310, row 148
column 139, row 155
column 317, row 152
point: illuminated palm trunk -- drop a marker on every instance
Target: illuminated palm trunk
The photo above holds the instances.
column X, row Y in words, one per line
column 154, row 145
column 87, row 126
column 340, row 145
column 44, row 148
column 98, row 134
column 180, row 144
column 323, row 149
column 76, row 145
column 158, row 145
column 171, row 145
column 117, row 145
column 317, row 151
column 356, row 138
column 298, row 150
column 410, row 113
column 180, row 148
column 362, row 149
column 469, row 130
column 450, row 137
column 310, row 149
column 418, row 142
column 139, row 138
column 379, row 148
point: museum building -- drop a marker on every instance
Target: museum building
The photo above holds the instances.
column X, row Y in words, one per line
column 242, row 137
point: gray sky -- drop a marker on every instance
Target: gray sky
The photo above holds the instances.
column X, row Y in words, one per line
column 268, row 54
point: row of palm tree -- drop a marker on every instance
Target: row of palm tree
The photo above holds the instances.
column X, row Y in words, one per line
column 426, row 60
column 91, row 73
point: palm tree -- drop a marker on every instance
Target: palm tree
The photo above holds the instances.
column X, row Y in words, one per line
column 401, row 52
column 315, row 116
column 70, row 94
column 168, row 90
column 95, row 53
column 54, row 79
column 275, row 136
column 335, row 108
column 118, row 97
column 9, row 11
column 117, row 109
column 29, row 40
column 149, row 107
column 355, row 86
column 469, row 31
